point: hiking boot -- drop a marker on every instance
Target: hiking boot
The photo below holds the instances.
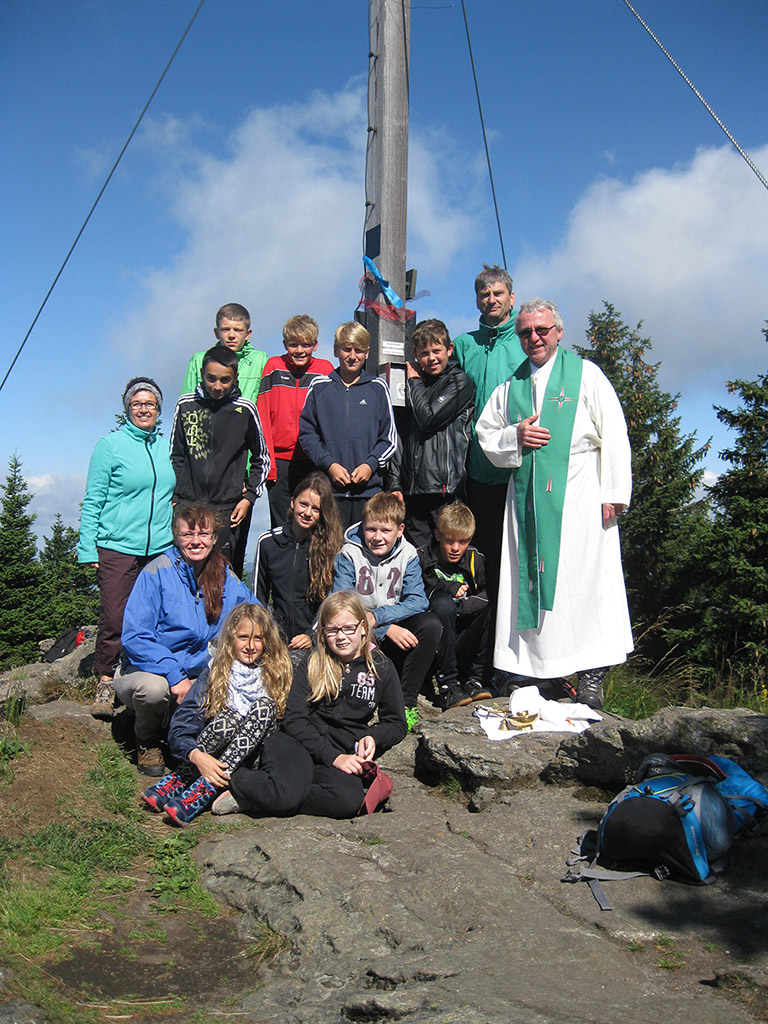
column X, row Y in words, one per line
column 452, row 696
column 476, row 691
column 504, row 684
column 412, row 717
column 150, row 761
column 225, row 803
column 590, row 688
column 166, row 789
column 187, row 805
column 103, row 706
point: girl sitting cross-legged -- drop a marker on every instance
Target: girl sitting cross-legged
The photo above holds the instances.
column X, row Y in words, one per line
column 223, row 720
column 332, row 704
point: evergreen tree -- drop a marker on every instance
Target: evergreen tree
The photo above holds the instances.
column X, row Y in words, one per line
column 663, row 521
column 21, row 612
column 69, row 588
column 736, row 625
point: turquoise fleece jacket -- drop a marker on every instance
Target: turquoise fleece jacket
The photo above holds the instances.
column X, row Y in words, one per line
column 127, row 503
column 250, row 366
column 488, row 356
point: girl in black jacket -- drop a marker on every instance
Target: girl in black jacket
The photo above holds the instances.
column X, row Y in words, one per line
column 333, row 701
column 294, row 563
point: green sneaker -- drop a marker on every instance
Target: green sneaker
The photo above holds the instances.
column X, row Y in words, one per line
column 412, row 716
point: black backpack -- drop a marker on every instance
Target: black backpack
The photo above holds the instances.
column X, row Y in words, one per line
column 677, row 820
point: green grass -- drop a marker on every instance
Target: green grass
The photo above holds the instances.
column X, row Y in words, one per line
column 11, row 744
column 177, row 875
column 635, row 691
column 58, row 882
column 115, row 782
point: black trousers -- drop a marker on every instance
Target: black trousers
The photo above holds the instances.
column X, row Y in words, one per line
column 414, row 665
column 463, row 649
column 278, row 781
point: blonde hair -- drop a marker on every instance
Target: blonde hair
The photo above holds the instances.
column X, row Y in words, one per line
column 351, row 333
column 324, row 668
column 384, row 507
column 302, row 327
column 275, row 662
column 456, row 520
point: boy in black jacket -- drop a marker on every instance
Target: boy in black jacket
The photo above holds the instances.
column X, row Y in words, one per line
column 428, row 468
column 213, row 432
column 454, row 581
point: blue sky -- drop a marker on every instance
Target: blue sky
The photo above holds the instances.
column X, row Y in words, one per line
column 245, row 183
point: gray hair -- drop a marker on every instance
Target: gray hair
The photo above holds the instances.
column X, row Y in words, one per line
column 534, row 305
column 493, row 275
column 141, row 384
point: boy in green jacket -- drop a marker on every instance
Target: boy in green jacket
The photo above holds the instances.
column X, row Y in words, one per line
column 233, row 329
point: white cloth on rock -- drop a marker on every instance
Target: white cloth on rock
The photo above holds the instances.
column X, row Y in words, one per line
column 589, row 626
column 551, row 715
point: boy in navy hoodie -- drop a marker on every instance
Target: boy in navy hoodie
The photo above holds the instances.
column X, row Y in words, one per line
column 213, row 433
column 347, row 427
column 383, row 568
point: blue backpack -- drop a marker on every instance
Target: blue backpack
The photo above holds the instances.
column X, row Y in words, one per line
column 678, row 819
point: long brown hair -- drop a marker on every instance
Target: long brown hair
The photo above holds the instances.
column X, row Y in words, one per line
column 326, row 538
column 275, row 662
column 211, row 580
column 324, row 669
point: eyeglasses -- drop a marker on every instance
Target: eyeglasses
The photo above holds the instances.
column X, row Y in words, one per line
column 202, row 534
column 138, row 406
column 530, row 331
column 346, row 630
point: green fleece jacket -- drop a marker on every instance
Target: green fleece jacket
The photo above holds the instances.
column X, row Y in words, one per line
column 127, row 503
column 488, row 356
column 250, row 366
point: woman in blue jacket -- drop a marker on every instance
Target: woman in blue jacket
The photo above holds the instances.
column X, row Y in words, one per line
column 125, row 520
column 177, row 606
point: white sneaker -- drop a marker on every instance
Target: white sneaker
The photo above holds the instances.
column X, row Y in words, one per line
column 225, row 803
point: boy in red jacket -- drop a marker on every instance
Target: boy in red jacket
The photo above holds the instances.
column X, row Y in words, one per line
column 283, row 391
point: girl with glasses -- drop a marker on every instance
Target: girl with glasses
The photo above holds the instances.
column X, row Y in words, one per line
column 333, row 701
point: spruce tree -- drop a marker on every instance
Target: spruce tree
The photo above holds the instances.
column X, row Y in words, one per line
column 736, row 626
column 664, row 521
column 69, row 588
column 21, row 609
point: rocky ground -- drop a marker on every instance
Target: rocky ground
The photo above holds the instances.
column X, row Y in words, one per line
column 449, row 907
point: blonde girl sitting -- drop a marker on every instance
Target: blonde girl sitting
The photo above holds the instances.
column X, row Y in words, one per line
column 332, row 704
column 229, row 710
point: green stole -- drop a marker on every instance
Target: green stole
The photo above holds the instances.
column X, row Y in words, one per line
column 540, row 482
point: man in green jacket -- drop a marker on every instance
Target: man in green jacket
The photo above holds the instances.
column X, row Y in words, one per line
column 489, row 356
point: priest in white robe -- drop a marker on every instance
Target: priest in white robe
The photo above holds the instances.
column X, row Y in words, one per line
column 558, row 425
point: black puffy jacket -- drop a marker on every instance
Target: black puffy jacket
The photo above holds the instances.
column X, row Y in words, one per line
column 432, row 452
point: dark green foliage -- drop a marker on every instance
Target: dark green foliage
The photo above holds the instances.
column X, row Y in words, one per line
column 22, row 621
column 70, row 591
column 664, row 522
column 735, row 631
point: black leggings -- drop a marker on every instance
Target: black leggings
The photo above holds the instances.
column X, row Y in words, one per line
column 278, row 782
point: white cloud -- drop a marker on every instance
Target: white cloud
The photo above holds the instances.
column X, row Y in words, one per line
column 52, row 493
column 685, row 250
column 274, row 220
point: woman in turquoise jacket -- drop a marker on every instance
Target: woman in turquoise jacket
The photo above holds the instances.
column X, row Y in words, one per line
column 125, row 519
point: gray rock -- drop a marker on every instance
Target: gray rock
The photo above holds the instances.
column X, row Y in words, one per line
column 435, row 913
column 33, row 680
